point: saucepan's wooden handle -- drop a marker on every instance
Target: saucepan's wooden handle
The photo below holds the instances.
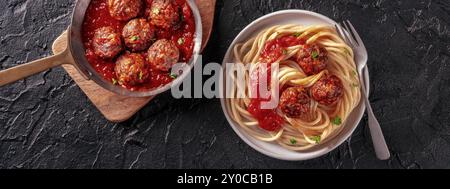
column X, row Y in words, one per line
column 25, row 70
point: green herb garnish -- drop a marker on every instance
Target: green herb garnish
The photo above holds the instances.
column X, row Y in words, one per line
column 134, row 38
column 315, row 55
column 337, row 120
column 182, row 17
column 346, row 51
column 297, row 34
column 155, row 10
column 316, row 139
column 180, row 41
column 293, row 141
column 141, row 75
column 173, row 76
column 114, row 81
column 285, row 51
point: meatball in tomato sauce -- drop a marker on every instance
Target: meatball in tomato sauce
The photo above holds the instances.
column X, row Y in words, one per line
column 328, row 90
column 107, row 43
column 131, row 69
column 163, row 54
column 138, row 34
column 295, row 102
column 164, row 14
column 312, row 59
column 124, row 10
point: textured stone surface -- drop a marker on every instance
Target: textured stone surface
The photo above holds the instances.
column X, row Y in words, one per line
column 47, row 122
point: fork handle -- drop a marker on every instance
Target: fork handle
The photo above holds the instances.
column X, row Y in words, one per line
column 379, row 143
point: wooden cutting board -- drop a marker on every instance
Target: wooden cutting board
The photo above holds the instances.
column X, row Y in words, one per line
column 118, row 108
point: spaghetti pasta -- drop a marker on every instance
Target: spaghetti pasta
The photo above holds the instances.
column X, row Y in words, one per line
column 322, row 120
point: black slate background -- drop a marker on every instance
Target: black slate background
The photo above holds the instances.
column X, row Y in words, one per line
column 47, row 122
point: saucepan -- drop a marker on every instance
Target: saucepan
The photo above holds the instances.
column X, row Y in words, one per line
column 75, row 52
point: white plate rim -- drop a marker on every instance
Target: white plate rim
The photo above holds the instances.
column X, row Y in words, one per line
column 300, row 156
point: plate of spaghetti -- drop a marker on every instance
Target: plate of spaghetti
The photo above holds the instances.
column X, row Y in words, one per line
column 308, row 71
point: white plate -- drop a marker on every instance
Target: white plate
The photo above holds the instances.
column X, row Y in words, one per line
column 306, row 18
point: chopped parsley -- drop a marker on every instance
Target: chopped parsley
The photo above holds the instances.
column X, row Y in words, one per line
column 182, row 17
column 337, row 120
column 315, row 55
column 127, row 62
column 293, row 141
column 155, row 10
column 173, row 76
column 180, row 41
column 134, row 38
column 346, row 51
column 114, row 81
column 316, row 139
column 297, row 34
column 285, row 51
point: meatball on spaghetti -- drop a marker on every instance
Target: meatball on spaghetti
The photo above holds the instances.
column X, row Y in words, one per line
column 163, row 54
column 328, row 90
column 312, row 59
column 131, row 69
column 138, row 34
column 295, row 102
column 124, row 10
column 107, row 43
column 164, row 14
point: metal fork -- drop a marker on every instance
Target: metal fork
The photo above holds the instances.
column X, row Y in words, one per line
column 352, row 38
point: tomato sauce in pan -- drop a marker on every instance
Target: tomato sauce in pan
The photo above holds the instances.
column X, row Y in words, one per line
column 97, row 16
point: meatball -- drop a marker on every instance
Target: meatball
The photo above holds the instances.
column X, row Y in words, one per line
column 295, row 102
column 131, row 69
column 124, row 10
column 328, row 90
column 107, row 43
column 312, row 59
column 164, row 14
column 163, row 54
column 138, row 34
